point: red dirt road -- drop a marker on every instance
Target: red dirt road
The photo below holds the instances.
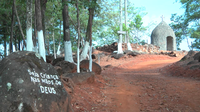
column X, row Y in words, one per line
column 140, row 84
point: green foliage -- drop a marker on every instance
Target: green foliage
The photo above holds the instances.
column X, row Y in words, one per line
column 187, row 25
column 105, row 23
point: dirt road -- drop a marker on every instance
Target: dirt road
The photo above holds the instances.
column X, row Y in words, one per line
column 141, row 85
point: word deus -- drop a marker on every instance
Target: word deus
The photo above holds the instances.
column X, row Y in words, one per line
column 47, row 90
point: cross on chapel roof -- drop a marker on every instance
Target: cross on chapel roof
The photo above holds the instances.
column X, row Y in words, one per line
column 162, row 17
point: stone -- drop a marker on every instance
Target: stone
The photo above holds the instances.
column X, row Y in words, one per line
column 49, row 58
column 117, row 56
column 189, row 55
column 192, row 62
column 96, row 68
column 66, row 67
column 197, row 56
column 80, row 78
column 28, row 84
column 55, row 61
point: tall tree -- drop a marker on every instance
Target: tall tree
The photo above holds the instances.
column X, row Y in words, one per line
column 90, row 4
column 66, row 31
column 43, row 4
column 120, row 35
column 127, row 35
column 40, row 30
column 138, row 25
column 12, row 25
column 188, row 25
column 20, row 26
column 29, row 46
column 89, row 28
column 78, row 29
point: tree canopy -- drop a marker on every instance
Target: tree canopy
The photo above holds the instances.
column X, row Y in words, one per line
column 188, row 24
column 105, row 23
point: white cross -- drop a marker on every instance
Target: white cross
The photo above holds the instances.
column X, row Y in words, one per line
column 162, row 17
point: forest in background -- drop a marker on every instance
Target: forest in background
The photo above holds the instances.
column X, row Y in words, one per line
column 104, row 28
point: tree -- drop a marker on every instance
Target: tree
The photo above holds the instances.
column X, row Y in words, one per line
column 180, row 27
column 12, row 25
column 119, row 48
column 39, row 30
column 20, row 26
column 187, row 25
column 92, row 5
column 127, row 36
column 137, row 24
column 29, row 46
column 67, row 42
column 78, row 29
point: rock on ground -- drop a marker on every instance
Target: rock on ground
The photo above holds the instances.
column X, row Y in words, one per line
column 28, row 84
column 96, row 68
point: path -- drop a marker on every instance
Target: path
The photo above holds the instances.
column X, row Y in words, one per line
column 140, row 86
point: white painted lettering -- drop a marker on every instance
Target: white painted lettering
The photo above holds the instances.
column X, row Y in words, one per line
column 42, row 75
column 42, row 89
column 33, row 79
column 57, row 82
column 36, row 74
column 48, row 77
column 47, row 90
column 50, row 90
column 47, row 81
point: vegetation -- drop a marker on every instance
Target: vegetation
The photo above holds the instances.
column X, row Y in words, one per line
column 188, row 24
column 104, row 27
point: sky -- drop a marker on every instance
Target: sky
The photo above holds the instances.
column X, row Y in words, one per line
column 155, row 9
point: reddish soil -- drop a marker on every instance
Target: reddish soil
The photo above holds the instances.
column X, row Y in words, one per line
column 138, row 84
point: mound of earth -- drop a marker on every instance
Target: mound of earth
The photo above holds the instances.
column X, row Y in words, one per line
column 188, row 66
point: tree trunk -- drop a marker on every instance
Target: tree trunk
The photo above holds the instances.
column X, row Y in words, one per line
column 43, row 17
column 78, row 29
column 19, row 43
column 29, row 46
column 48, row 43
column 90, row 21
column 67, row 42
column 5, row 46
column 19, row 22
column 15, row 39
column 35, row 33
column 128, row 43
column 40, row 31
column 120, row 35
column 58, row 51
column 88, row 33
column 54, row 47
column 12, row 24
column 127, row 36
